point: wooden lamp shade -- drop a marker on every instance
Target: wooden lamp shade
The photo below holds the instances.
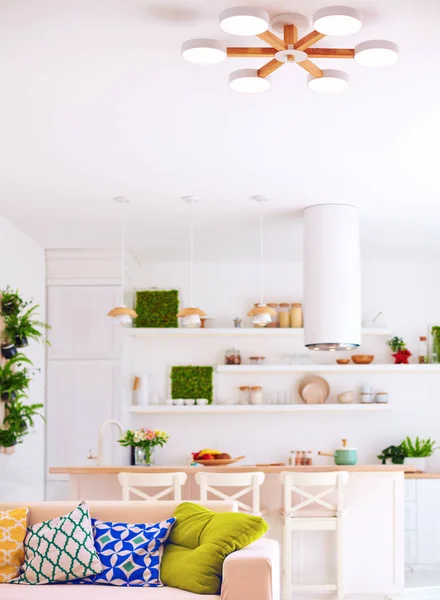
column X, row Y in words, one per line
column 262, row 309
column 186, row 312
column 122, row 310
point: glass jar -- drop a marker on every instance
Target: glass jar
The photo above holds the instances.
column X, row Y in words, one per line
column 284, row 314
column 275, row 321
column 434, row 343
column 232, row 357
column 256, row 396
column 243, row 394
column 257, row 360
column 423, row 350
column 296, row 315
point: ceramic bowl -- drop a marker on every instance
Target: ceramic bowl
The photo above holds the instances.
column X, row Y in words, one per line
column 202, row 401
column 342, row 361
column 189, row 401
column 178, row 402
column 346, row 398
column 362, row 359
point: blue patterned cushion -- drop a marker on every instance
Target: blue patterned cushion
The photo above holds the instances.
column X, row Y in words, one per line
column 130, row 554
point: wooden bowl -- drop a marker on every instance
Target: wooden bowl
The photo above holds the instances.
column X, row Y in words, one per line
column 342, row 361
column 219, row 462
column 362, row 359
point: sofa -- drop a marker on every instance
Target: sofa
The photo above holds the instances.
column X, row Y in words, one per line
column 248, row 574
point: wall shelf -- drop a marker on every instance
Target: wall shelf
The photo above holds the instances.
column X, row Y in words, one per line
column 333, row 368
column 247, row 408
column 272, row 332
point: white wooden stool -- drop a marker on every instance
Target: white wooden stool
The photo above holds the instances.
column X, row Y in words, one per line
column 312, row 512
column 173, row 483
column 249, row 482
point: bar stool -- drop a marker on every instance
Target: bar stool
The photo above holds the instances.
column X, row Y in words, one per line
column 173, row 483
column 313, row 513
column 249, row 482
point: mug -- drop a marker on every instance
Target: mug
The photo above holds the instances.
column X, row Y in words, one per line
column 367, row 398
column 382, row 398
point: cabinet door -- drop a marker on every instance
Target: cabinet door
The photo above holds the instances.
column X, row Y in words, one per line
column 81, row 395
column 80, row 327
column 428, row 521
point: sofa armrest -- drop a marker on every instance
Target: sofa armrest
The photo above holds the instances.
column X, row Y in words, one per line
column 252, row 573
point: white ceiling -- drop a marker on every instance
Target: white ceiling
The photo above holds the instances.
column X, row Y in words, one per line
column 96, row 102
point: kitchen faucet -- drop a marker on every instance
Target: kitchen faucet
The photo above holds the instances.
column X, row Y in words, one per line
column 99, row 457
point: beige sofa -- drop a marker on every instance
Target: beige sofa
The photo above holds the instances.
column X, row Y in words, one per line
column 249, row 574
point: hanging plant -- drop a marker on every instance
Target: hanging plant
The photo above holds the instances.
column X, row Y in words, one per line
column 21, row 328
column 14, row 382
column 12, row 303
column 17, row 424
column 192, row 382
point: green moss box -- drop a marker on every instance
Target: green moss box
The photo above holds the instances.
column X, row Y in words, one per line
column 157, row 308
column 192, row 382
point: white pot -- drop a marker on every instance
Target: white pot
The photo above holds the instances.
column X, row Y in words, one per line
column 417, row 463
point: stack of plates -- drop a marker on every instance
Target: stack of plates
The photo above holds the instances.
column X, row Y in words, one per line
column 313, row 390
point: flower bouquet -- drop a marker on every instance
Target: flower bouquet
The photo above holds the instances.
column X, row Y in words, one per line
column 144, row 441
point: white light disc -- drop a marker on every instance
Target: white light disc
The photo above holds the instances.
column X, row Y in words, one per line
column 298, row 56
column 248, row 82
column 331, row 82
column 262, row 319
column 191, row 321
column 203, row 51
column 337, row 20
column 244, row 20
column 278, row 22
column 376, row 53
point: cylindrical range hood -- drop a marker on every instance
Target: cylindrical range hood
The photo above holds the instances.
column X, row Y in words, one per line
column 332, row 277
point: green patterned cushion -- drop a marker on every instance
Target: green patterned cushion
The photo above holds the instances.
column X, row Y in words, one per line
column 60, row 549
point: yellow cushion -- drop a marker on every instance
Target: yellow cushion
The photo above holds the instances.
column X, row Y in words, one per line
column 13, row 524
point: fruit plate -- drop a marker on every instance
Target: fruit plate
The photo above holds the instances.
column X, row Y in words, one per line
column 219, row 462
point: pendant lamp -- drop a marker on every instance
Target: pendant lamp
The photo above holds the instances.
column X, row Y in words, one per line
column 122, row 314
column 191, row 315
column 332, row 277
column 261, row 314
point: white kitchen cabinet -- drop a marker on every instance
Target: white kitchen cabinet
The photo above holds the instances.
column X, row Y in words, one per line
column 80, row 327
column 422, row 524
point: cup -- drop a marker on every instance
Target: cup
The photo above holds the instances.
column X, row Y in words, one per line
column 367, row 389
column 178, row 402
column 367, row 398
column 189, row 401
column 201, row 401
column 346, row 398
column 382, row 397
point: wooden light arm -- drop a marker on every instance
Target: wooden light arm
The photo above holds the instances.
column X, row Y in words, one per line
column 290, row 34
column 251, row 52
column 273, row 40
column 269, row 67
column 311, row 68
column 308, row 40
column 330, row 52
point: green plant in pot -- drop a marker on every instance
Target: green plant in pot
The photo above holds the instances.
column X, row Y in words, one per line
column 435, row 344
column 12, row 303
column 396, row 454
column 21, row 328
column 14, row 378
column 17, row 423
column 416, row 451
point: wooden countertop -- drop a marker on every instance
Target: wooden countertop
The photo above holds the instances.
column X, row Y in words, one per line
column 422, row 476
column 110, row 470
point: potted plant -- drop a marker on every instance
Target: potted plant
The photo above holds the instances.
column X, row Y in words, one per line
column 14, row 382
column 397, row 454
column 400, row 352
column 144, row 441
column 416, row 451
column 17, row 423
column 8, row 350
column 435, row 344
column 11, row 302
column 20, row 328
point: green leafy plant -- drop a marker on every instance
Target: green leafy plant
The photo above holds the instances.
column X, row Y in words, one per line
column 418, row 448
column 18, row 421
column 26, row 325
column 192, row 382
column 396, row 344
column 12, row 303
column 435, row 350
column 157, row 308
column 397, row 454
column 14, row 382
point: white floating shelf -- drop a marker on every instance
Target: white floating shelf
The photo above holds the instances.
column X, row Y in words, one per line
column 333, row 368
column 248, row 408
column 173, row 332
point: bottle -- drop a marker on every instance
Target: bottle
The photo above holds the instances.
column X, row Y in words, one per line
column 296, row 315
column 298, row 459
column 284, row 315
column 423, row 350
column 309, row 458
column 304, row 459
column 292, row 458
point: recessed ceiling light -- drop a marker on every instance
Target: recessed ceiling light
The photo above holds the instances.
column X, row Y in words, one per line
column 376, row 53
column 203, row 51
column 248, row 82
column 331, row 82
column 244, row 20
column 337, row 20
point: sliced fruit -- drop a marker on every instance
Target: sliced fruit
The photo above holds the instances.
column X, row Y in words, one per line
column 223, row 455
column 206, row 457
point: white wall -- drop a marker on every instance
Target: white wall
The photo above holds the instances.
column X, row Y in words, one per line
column 22, row 266
column 407, row 293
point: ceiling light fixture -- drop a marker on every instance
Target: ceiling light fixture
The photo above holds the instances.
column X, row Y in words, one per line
column 261, row 313
column 122, row 314
column 244, row 20
column 248, row 81
column 288, row 49
column 331, row 82
column 377, row 53
column 191, row 315
column 337, row 20
column 203, row 51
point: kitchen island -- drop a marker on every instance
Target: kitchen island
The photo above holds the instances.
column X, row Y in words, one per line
column 374, row 530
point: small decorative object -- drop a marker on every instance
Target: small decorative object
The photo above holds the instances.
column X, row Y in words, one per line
column 192, row 382
column 400, row 352
column 346, row 397
column 423, row 350
column 382, row 398
column 362, row 359
column 238, row 323
column 257, row 360
column 232, row 357
column 342, row 361
column 157, row 308
column 397, row 454
column 144, row 441
column 434, row 343
column 416, row 451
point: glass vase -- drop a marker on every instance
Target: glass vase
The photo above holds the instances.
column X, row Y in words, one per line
column 143, row 457
column 434, row 343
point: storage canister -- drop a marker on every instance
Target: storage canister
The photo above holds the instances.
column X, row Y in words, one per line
column 296, row 315
column 284, row 314
column 256, row 395
column 243, row 394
